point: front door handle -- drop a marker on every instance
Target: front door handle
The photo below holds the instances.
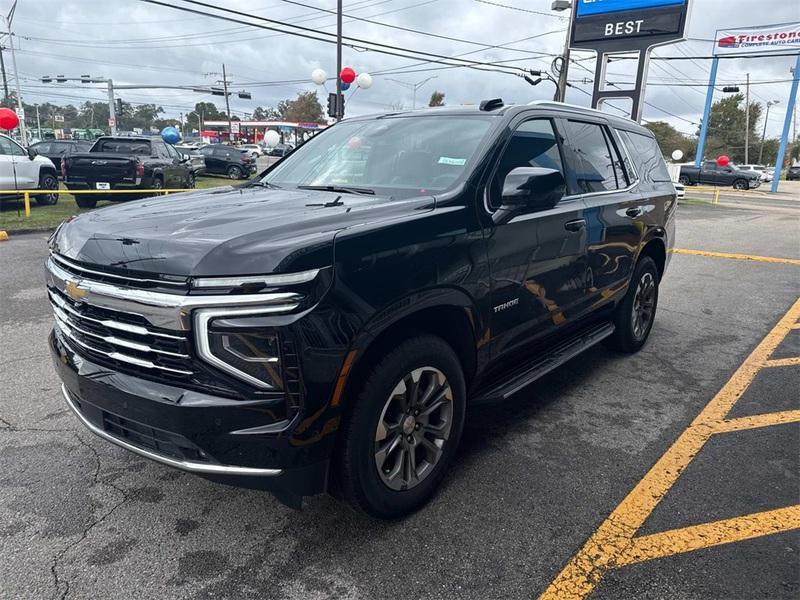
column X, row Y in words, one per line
column 634, row 211
column 575, row 225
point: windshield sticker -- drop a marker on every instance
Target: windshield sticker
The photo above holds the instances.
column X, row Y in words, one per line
column 456, row 162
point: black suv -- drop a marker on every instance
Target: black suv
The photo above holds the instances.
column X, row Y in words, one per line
column 56, row 149
column 326, row 326
column 222, row 159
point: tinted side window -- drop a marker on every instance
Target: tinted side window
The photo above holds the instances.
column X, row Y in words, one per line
column 648, row 157
column 593, row 165
column 42, row 147
column 619, row 167
column 533, row 144
column 173, row 153
column 9, row 147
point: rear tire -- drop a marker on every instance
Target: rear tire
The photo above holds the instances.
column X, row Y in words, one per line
column 634, row 315
column 740, row 184
column 684, row 180
column 47, row 181
column 394, row 448
column 191, row 181
column 85, row 201
column 234, row 172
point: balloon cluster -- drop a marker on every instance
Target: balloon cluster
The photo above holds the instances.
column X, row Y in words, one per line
column 170, row 135
column 723, row 161
column 347, row 77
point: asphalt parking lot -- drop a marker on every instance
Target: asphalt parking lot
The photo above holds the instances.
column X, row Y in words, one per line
column 674, row 473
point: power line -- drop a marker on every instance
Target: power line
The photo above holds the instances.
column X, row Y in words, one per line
column 525, row 10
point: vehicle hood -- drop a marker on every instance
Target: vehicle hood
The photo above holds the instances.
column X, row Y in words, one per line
column 224, row 231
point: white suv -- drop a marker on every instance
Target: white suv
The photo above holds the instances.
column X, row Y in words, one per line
column 764, row 173
column 24, row 170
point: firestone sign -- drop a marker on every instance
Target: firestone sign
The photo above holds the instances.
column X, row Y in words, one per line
column 752, row 40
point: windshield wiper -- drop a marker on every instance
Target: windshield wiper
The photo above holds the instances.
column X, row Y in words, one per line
column 266, row 184
column 338, row 188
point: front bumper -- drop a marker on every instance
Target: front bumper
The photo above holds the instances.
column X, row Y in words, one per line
column 228, row 441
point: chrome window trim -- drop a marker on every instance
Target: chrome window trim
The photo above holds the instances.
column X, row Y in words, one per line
column 72, row 265
column 201, row 320
column 184, row 465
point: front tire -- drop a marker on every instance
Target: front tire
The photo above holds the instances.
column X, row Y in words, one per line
column 47, row 181
column 634, row 315
column 684, row 180
column 402, row 429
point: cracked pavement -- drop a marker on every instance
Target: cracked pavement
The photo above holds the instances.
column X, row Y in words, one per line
column 80, row 518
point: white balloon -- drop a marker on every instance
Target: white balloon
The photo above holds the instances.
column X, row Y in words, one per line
column 319, row 76
column 272, row 138
column 677, row 155
column 364, row 81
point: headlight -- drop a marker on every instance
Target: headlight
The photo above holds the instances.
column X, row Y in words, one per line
column 250, row 354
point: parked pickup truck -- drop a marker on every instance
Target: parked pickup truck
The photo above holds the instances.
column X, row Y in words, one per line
column 325, row 326
column 125, row 163
column 710, row 173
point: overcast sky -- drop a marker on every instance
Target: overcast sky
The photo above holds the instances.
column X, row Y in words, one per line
column 138, row 43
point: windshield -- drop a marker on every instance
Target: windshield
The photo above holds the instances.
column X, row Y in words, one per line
column 137, row 147
column 399, row 156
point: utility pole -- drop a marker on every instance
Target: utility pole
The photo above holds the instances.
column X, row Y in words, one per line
column 339, row 103
column 112, row 114
column 747, row 123
column 561, row 85
column 227, row 103
column 181, row 124
column 39, row 123
column 23, row 132
column 764, row 133
column 3, row 68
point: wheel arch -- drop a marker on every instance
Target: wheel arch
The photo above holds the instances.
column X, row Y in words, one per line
column 448, row 314
column 655, row 247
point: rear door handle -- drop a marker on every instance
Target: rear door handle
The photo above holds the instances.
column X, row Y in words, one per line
column 575, row 225
column 634, row 211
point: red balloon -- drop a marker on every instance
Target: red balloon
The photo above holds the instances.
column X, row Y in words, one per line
column 347, row 75
column 723, row 161
column 8, row 119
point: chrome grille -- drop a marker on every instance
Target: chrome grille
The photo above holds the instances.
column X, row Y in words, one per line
column 113, row 337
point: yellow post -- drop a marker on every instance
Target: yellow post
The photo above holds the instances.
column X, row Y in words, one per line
column 716, row 196
column 27, row 204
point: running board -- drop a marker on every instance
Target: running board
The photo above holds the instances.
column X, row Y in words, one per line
column 544, row 363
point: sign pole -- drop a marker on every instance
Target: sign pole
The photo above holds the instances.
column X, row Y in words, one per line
column 786, row 123
column 712, row 78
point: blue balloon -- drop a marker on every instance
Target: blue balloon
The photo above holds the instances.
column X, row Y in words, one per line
column 345, row 86
column 170, row 135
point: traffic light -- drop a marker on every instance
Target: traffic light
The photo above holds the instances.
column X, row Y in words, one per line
column 335, row 105
column 731, row 88
column 217, row 92
column 245, row 95
column 86, row 78
column 118, row 107
column 47, row 79
column 61, row 79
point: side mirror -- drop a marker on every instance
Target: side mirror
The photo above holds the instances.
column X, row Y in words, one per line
column 32, row 153
column 535, row 188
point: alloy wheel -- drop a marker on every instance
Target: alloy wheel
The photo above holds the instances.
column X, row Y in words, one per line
column 413, row 429
column 50, row 183
column 644, row 302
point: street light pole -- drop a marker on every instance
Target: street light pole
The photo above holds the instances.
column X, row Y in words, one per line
column 764, row 133
column 112, row 114
column 413, row 87
column 747, row 123
column 20, row 111
column 227, row 103
column 38, row 123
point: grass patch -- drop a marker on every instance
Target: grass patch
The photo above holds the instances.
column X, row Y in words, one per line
column 43, row 218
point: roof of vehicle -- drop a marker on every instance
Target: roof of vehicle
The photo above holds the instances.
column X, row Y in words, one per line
column 508, row 110
column 131, row 138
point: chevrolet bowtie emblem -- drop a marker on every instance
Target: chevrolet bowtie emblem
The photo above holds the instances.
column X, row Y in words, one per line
column 74, row 291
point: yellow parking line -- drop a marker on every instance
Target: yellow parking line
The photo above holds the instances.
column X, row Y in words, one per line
column 783, row 362
column 751, row 257
column 697, row 537
column 755, row 421
column 613, row 538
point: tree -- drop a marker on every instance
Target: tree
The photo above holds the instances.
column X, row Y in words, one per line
column 437, row 99
column 304, row 109
column 266, row 113
column 726, row 129
column 670, row 139
column 204, row 111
